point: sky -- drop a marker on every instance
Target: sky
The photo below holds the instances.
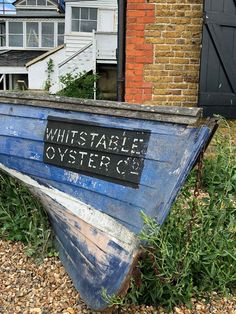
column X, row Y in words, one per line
column 9, row 8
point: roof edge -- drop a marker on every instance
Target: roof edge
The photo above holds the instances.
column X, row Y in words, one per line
column 44, row 55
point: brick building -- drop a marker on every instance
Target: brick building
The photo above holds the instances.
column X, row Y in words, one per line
column 163, row 53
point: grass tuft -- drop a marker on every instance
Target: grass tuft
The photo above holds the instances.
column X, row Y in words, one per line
column 194, row 252
column 22, row 218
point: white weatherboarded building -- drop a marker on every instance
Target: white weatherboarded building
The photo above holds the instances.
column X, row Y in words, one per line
column 90, row 44
column 31, row 29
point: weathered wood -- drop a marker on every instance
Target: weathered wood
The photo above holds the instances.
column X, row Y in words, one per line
column 97, row 221
column 153, row 113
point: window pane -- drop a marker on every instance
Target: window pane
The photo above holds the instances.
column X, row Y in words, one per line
column 31, row 2
column 88, row 26
column 75, row 25
column 48, row 41
column 47, row 28
column 15, row 27
column 84, row 13
column 61, row 28
column 60, row 40
column 41, row 2
column 60, row 32
column 47, row 34
column 16, row 40
column 75, row 13
column 93, row 14
column 32, row 38
column 84, row 19
column 2, row 34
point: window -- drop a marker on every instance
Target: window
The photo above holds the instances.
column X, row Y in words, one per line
column 35, row 2
column 6, row 7
column 60, row 33
column 32, row 34
column 2, row 34
column 47, row 34
column 31, row 2
column 16, row 34
column 41, row 2
column 84, row 19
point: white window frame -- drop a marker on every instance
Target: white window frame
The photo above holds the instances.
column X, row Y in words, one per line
column 81, row 7
column 55, row 36
column 54, row 31
column 8, row 34
column 36, row 5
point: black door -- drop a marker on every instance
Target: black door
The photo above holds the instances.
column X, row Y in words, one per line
column 217, row 92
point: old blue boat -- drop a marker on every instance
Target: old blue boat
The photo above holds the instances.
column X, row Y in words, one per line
column 95, row 166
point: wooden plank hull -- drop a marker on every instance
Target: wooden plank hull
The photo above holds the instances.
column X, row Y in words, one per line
column 95, row 210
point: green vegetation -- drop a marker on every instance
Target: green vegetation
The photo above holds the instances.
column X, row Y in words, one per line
column 50, row 70
column 22, row 218
column 194, row 252
column 78, row 85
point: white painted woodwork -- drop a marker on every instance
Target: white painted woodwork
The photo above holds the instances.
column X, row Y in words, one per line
column 39, row 21
column 77, row 41
column 116, row 231
column 80, row 62
column 13, row 70
column 106, row 22
column 106, row 44
column 37, row 72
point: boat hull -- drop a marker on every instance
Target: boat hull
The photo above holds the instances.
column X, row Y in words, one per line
column 126, row 165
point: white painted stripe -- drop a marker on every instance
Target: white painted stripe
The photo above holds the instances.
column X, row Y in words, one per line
column 90, row 215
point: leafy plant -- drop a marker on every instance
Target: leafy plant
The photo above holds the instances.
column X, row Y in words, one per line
column 112, row 300
column 78, row 85
column 194, row 252
column 50, row 70
column 22, row 218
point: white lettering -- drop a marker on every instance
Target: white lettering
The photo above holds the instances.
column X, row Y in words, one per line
column 73, row 136
column 50, row 152
column 62, row 154
column 59, row 135
column 102, row 142
column 82, row 157
column 72, row 154
column 93, row 137
column 113, row 143
column 51, row 134
column 67, row 136
column 135, row 167
column 82, row 138
column 123, row 146
column 120, row 166
column 135, row 146
column 91, row 161
column 105, row 161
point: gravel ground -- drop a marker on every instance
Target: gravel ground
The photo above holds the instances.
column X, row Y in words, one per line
column 28, row 288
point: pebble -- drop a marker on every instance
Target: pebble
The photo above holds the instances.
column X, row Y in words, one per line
column 29, row 288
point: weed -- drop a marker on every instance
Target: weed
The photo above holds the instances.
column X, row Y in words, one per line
column 178, row 265
column 78, row 85
column 49, row 70
column 112, row 300
column 22, row 218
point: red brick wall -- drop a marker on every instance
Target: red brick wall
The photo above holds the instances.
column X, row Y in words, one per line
column 139, row 53
column 163, row 51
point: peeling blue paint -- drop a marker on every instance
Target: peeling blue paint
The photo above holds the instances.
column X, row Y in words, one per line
column 171, row 154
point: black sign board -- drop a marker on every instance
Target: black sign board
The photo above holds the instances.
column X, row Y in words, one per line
column 106, row 152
